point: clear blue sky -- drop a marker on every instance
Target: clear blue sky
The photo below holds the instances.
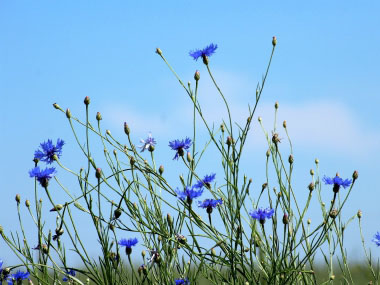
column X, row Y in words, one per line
column 325, row 75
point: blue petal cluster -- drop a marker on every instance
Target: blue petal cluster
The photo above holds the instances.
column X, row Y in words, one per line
column 182, row 281
column 337, row 182
column 207, row 51
column 180, row 146
column 210, row 203
column 69, row 272
column 376, row 239
column 261, row 214
column 150, row 142
column 128, row 243
column 1, row 268
column 43, row 176
column 189, row 193
column 206, row 181
column 18, row 276
column 49, row 150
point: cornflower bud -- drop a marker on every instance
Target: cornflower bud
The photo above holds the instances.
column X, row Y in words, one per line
column 188, row 157
column 56, row 208
column 222, row 128
column 355, row 175
column 267, row 153
column 308, row 221
column 86, row 100
column 359, row 214
column 285, row 219
column 311, row 186
column 197, row 75
column 311, row 172
column 333, row 213
column 161, row 169
column 291, row 159
column 276, row 105
column 316, row 161
column 27, row 203
column 18, row 198
column 132, row 161
column 98, row 173
column 56, row 106
column 126, row 129
column 274, row 41
column 68, row 113
column 117, row 213
column 158, row 51
column 259, row 119
column 108, row 132
column 229, row 141
column 284, row 124
column 98, row 116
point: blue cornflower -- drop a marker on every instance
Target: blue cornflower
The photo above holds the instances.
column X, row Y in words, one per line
column 182, row 281
column 128, row 243
column 69, row 272
column 17, row 277
column 206, row 181
column 209, row 204
column 337, row 182
column 43, row 176
column 261, row 214
column 179, row 146
column 1, row 269
column 189, row 193
column 204, row 53
column 376, row 239
column 49, row 150
column 148, row 144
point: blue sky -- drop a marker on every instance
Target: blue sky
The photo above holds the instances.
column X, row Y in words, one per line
column 324, row 76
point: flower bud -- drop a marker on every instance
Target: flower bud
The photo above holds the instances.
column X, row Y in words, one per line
column 126, row 129
column 86, row 100
column 333, row 213
column 308, row 221
column 276, row 105
column 18, row 198
column 213, row 252
column 161, row 169
column 98, row 116
column 274, row 41
column 264, row 186
column 98, row 173
column 143, row 253
column 355, row 175
column 117, row 213
column 27, row 203
column 56, row 106
column 316, row 161
column 158, row 51
column 222, row 127
column 68, row 113
column 267, row 153
column 1, row 229
column 311, row 186
column 311, row 172
column 291, row 159
column 170, row 220
column 108, row 132
column 132, row 161
column 332, row 277
column 56, row 208
column 275, row 139
column 259, row 119
column 229, row 141
column 205, row 59
column 188, row 157
column 197, row 75
column 284, row 124
column 359, row 214
column 285, row 219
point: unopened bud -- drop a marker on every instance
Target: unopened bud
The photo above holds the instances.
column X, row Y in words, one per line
column 188, row 157
column 259, row 119
column 229, row 141
column 222, row 128
column 359, row 214
column 170, row 220
column 143, row 253
column 274, row 41
column 56, row 208
column 197, row 75
column 117, row 213
column 284, row 124
column 333, row 213
column 316, row 161
column 355, row 175
column 276, row 105
column 126, row 129
column 18, row 198
column 1, row 229
column 285, row 219
column 291, row 159
column 98, row 116
column 161, row 169
column 68, row 113
column 158, row 51
column 264, row 186
column 55, row 105
column 132, row 161
column 98, row 173
column 311, row 186
column 213, row 252
column 108, row 132
column 27, row 203
column 311, row 172
column 275, row 139
column 332, row 277
column 86, row 100
column 308, row 221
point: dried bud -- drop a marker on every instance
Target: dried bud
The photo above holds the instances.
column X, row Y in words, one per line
column 27, row 203
column 117, row 213
column 197, row 75
column 158, row 51
column 126, row 129
column 284, row 124
column 359, row 214
column 68, row 113
column 98, row 173
column 18, row 198
column 86, row 100
column 98, row 116
column 291, row 159
column 274, row 41
column 355, row 175
column 56, row 208
column 285, row 219
column 276, row 105
column 275, row 139
column 311, row 186
column 161, row 169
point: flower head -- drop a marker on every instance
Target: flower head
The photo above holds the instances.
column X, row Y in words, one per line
column 128, row 243
column 148, row 144
column 209, row 204
column 18, row 276
column 189, row 193
column 180, row 146
column 49, row 150
column 206, row 181
column 376, row 239
column 261, row 214
column 337, row 182
column 69, row 272
column 182, row 281
column 43, row 176
column 206, row 52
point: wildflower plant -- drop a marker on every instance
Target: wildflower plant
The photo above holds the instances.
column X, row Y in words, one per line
column 126, row 194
